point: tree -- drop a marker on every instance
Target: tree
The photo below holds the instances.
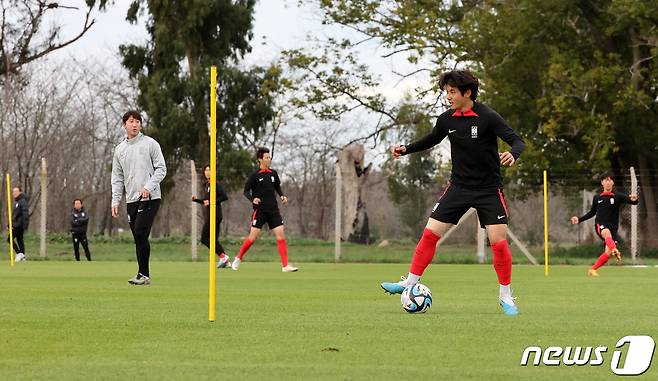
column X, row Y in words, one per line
column 186, row 38
column 22, row 39
column 577, row 79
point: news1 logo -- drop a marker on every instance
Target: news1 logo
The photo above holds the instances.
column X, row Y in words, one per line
column 637, row 359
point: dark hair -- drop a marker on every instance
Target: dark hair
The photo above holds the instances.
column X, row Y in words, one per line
column 134, row 113
column 77, row 199
column 206, row 166
column 607, row 174
column 262, row 151
column 461, row 79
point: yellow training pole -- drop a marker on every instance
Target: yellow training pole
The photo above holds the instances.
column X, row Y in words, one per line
column 213, row 192
column 545, row 225
column 11, row 231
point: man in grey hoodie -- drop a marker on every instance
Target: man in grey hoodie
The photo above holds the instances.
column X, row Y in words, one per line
column 138, row 167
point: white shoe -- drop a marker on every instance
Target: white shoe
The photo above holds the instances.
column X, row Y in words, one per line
column 20, row 257
column 289, row 269
column 223, row 262
column 236, row 264
column 507, row 299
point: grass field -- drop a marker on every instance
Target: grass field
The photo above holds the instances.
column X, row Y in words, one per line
column 82, row 321
column 177, row 248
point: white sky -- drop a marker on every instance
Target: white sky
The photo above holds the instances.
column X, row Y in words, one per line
column 278, row 25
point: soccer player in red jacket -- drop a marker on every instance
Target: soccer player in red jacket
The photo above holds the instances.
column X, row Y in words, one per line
column 476, row 182
column 605, row 206
column 261, row 189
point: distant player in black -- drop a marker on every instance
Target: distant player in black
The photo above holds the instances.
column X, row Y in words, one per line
column 79, row 222
column 605, row 206
column 20, row 216
column 261, row 190
column 476, row 182
column 205, row 231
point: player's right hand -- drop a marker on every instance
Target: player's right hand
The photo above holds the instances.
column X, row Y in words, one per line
column 574, row 220
column 398, row 150
column 115, row 211
column 256, row 200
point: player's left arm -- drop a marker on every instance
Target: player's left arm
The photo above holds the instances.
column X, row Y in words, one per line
column 633, row 199
column 277, row 187
column 159, row 168
column 507, row 134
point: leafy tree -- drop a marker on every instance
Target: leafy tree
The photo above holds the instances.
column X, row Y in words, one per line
column 172, row 69
column 577, row 79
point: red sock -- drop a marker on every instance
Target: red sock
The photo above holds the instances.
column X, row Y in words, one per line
column 221, row 255
column 245, row 246
column 603, row 259
column 502, row 261
column 610, row 243
column 424, row 252
column 283, row 252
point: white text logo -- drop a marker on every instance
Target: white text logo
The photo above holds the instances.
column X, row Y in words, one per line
column 637, row 355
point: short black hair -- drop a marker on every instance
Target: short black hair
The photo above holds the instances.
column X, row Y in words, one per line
column 262, row 151
column 77, row 199
column 206, row 166
column 607, row 174
column 134, row 113
column 461, row 79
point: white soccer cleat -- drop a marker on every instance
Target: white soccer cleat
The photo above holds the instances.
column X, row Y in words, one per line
column 20, row 257
column 223, row 262
column 289, row 269
column 236, row 264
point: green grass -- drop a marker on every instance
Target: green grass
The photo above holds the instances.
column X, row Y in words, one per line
column 177, row 248
column 82, row 321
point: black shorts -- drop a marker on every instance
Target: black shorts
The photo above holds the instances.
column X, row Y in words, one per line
column 272, row 218
column 600, row 227
column 456, row 201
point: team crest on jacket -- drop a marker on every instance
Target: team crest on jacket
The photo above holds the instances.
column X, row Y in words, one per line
column 474, row 132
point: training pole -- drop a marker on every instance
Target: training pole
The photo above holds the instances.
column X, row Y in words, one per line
column 213, row 192
column 11, row 230
column 545, row 225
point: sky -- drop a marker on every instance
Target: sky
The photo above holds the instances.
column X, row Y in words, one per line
column 278, row 25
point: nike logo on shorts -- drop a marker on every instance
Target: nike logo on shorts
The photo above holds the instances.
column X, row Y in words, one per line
column 500, row 217
column 451, row 131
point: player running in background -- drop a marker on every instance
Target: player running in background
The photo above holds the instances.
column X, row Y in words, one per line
column 261, row 189
column 605, row 206
column 205, row 231
column 476, row 182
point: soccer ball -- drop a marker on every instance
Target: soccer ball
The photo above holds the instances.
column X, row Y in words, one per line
column 416, row 299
